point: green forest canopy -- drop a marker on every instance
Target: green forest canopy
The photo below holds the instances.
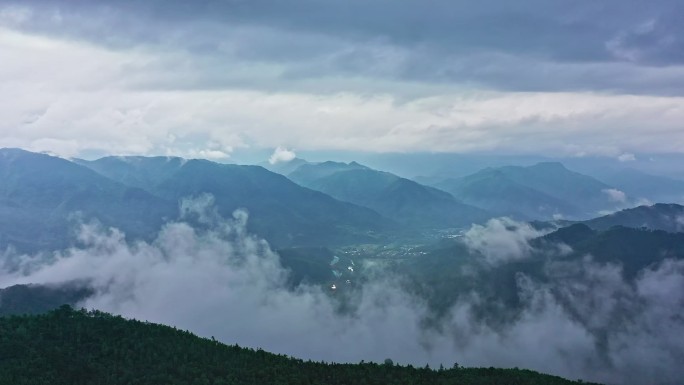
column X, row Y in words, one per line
column 67, row 346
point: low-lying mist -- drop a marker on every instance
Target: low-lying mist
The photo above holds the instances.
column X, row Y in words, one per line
column 215, row 279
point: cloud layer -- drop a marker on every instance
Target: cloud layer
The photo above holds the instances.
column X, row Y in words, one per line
column 562, row 78
column 586, row 323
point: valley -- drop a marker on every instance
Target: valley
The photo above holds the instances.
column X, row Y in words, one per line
column 244, row 232
column 238, row 192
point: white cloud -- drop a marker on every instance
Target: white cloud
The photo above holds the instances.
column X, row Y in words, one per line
column 679, row 220
column 602, row 298
column 208, row 154
column 626, row 157
column 643, row 202
column 501, row 240
column 226, row 283
column 615, row 195
column 281, row 155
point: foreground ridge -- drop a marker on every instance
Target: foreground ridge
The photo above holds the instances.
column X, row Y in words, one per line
column 67, row 346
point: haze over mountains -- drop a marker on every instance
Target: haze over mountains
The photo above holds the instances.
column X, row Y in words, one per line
column 354, row 203
column 274, row 202
column 355, row 257
column 473, row 186
column 403, row 200
column 41, row 197
column 329, row 203
column 544, row 190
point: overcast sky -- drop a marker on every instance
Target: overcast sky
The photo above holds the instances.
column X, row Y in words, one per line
column 206, row 78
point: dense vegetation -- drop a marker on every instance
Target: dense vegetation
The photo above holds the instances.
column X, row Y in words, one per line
column 78, row 347
column 37, row 299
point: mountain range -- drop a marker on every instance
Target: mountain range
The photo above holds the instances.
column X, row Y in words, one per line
column 660, row 216
column 644, row 187
column 338, row 226
column 403, row 200
column 280, row 210
column 542, row 191
column 43, row 198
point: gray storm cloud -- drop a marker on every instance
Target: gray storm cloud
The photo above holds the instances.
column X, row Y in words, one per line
column 214, row 77
column 226, row 283
column 603, row 45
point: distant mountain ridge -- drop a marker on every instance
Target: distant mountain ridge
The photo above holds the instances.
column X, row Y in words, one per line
column 401, row 199
column 280, row 211
column 309, row 173
column 660, row 216
column 542, row 191
column 643, row 186
column 283, row 168
column 41, row 194
column 139, row 171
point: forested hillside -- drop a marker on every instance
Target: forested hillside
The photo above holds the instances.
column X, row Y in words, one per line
column 78, row 347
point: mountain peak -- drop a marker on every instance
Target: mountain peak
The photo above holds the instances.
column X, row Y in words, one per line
column 551, row 166
column 661, row 216
column 14, row 152
column 10, row 150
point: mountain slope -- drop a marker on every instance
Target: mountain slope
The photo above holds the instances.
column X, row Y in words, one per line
column 78, row 347
column 281, row 211
column 38, row 299
column 42, row 197
column 641, row 185
column 661, row 216
column 453, row 268
column 494, row 190
column 535, row 192
column 284, row 168
column 554, row 179
column 398, row 198
column 139, row 171
column 634, row 249
column 311, row 172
